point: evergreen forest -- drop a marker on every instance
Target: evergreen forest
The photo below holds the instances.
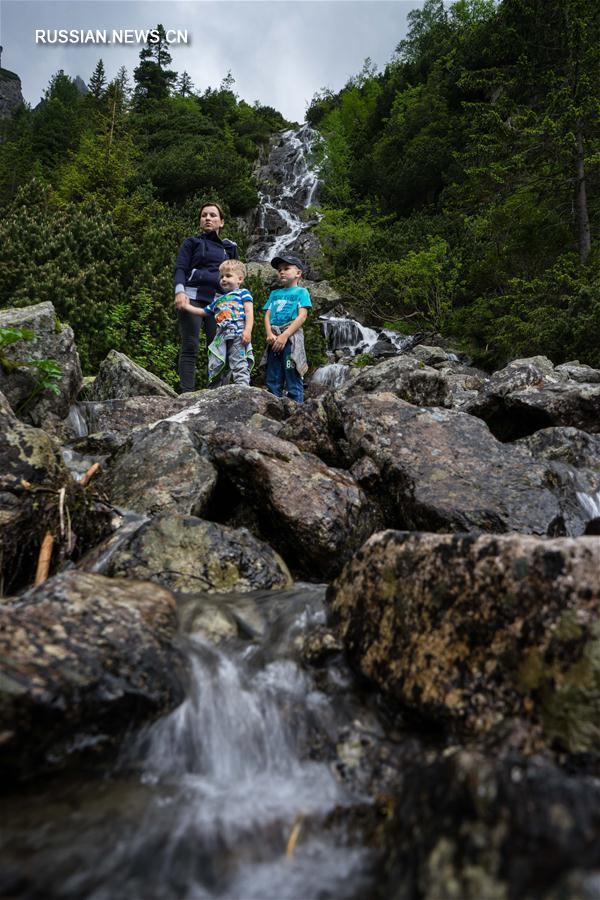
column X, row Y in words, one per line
column 460, row 187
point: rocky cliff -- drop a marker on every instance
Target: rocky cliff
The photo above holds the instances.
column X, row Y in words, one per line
column 10, row 92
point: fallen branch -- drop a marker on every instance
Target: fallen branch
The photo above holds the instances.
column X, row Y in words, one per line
column 43, row 565
column 293, row 838
column 89, row 474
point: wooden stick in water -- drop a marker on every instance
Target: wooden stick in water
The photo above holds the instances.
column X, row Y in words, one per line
column 43, row 565
column 89, row 474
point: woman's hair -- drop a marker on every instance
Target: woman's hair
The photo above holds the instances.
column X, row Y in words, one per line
column 233, row 265
column 212, row 203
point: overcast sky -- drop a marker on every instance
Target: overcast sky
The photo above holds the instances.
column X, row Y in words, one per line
column 279, row 51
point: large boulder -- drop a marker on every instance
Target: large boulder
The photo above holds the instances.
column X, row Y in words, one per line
column 230, row 406
column 119, row 417
column 466, row 631
column 407, row 378
column 51, row 340
column 566, row 445
column 530, row 394
column 120, row 377
column 440, row 470
column 159, row 470
column 188, row 555
column 315, row 515
column 83, row 658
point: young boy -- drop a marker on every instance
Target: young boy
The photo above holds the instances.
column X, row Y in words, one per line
column 234, row 317
column 285, row 313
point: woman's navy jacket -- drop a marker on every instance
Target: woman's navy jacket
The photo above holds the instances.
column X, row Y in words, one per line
column 198, row 262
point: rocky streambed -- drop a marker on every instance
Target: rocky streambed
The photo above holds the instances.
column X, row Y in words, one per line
column 349, row 649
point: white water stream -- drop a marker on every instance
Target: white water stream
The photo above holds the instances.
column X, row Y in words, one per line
column 226, row 797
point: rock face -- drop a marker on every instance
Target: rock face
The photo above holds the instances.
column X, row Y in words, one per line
column 120, row 377
column 468, row 631
column 51, row 341
column 83, row 658
column 530, row 394
column 10, row 92
column 159, row 470
column 188, row 555
column 315, row 515
column 440, row 470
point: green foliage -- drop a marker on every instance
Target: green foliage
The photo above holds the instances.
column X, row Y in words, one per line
column 462, row 182
column 117, row 185
column 146, row 328
column 362, row 360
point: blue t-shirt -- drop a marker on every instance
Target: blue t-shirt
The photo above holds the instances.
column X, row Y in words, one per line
column 284, row 304
column 228, row 310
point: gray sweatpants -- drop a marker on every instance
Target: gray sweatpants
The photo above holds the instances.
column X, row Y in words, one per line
column 237, row 364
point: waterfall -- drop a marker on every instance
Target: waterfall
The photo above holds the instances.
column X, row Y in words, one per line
column 333, row 375
column 293, row 182
column 590, row 503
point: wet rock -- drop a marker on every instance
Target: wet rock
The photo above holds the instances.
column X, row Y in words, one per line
column 51, row 340
column 119, row 378
column 567, row 445
column 83, row 658
column 531, row 394
column 159, row 470
column 187, row 554
column 441, row 470
column 432, row 356
column 315, row 515
column 382, row 350
column 489, row 829
column 403, row 376
column 467, row 631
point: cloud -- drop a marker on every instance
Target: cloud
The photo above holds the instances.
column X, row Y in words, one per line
column 279, row 52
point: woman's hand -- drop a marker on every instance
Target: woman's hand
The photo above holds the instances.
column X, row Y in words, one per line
column 181, row 300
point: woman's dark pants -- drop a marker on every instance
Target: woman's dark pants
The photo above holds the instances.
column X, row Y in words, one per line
column 189, row 331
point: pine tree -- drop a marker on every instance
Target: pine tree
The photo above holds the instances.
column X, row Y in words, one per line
column 154, row 80
column 97, row 82
column 185, row 87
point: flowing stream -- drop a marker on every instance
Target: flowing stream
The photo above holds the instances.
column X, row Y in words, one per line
column 229, row 796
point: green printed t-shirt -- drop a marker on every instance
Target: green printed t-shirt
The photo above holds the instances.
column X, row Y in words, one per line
column 284, row 304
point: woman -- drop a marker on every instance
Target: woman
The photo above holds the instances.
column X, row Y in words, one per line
column 197, row 279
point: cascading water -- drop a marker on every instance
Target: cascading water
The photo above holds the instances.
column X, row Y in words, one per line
column 229, row 795
column 590, row 503
column 293, row 181
column 347, row 337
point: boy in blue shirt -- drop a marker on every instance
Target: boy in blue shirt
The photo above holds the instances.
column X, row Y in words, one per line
column 233, row 312
column 285, row 313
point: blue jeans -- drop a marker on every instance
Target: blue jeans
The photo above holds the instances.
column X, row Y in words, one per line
column 282, row 371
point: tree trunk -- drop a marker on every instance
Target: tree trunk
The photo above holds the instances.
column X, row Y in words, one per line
column 583, row 219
